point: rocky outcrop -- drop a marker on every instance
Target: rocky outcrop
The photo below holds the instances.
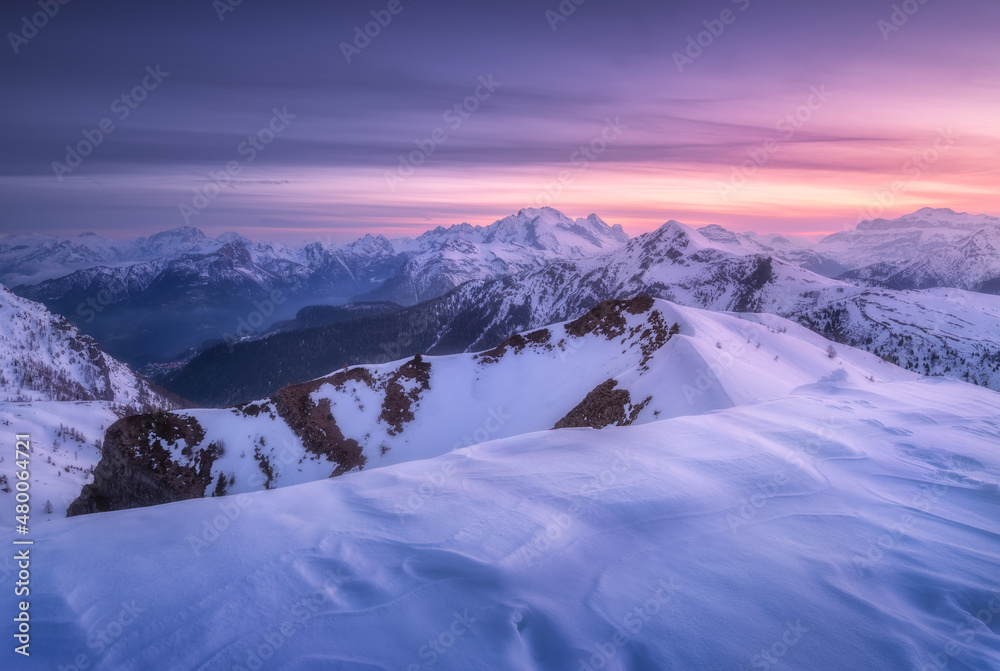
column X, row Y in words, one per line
column 607, row 318
column 314, row 424
column 603, row 406
column 137, row 469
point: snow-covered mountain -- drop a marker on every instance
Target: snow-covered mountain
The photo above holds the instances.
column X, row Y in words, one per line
column 624, row 362
column 795, row 250
column 903, row 239
column 945, row 248
column 45, row 358
column 151, row 310
column 60, row 388
column 940, row 332
column 839, row 524
column 444, row 258
column 673, row 262
column 173, row 291
column 937, row 332
column 29, row 259
column 971, row 263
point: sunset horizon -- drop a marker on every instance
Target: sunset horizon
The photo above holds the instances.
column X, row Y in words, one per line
column 766, row 116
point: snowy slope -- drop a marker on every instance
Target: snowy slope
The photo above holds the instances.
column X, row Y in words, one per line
column 65, row 439
column 935, row 332
column 623, row 362
column 44, row 357
column 844, row 525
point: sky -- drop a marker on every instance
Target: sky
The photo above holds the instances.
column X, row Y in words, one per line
column 287, row 121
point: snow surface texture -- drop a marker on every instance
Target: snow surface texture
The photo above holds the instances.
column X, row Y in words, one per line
column 845, row 525
column 665, row 359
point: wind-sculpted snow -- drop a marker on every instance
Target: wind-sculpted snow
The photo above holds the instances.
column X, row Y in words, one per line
column 624, row 362
column 845, row 524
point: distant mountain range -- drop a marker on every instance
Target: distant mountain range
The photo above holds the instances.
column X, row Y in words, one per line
column 151, row 298
column 935, row 332
column 171, row 296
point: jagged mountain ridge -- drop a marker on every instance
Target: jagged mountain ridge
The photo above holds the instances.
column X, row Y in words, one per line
column 918, row 330
column 623, row 362
column 229, row 287
column 972, row 263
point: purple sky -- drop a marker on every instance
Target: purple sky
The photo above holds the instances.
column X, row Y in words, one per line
column 915, row 108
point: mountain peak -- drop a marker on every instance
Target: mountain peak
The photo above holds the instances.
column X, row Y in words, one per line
column 931, row 218
column 181, row 232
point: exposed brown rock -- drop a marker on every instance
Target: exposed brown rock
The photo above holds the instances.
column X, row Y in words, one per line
column 607, row 318
column 314, row 423
column 655, row 336
column 516, row 342
column 397, row 404
column 137, row 469
column 602, row 407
